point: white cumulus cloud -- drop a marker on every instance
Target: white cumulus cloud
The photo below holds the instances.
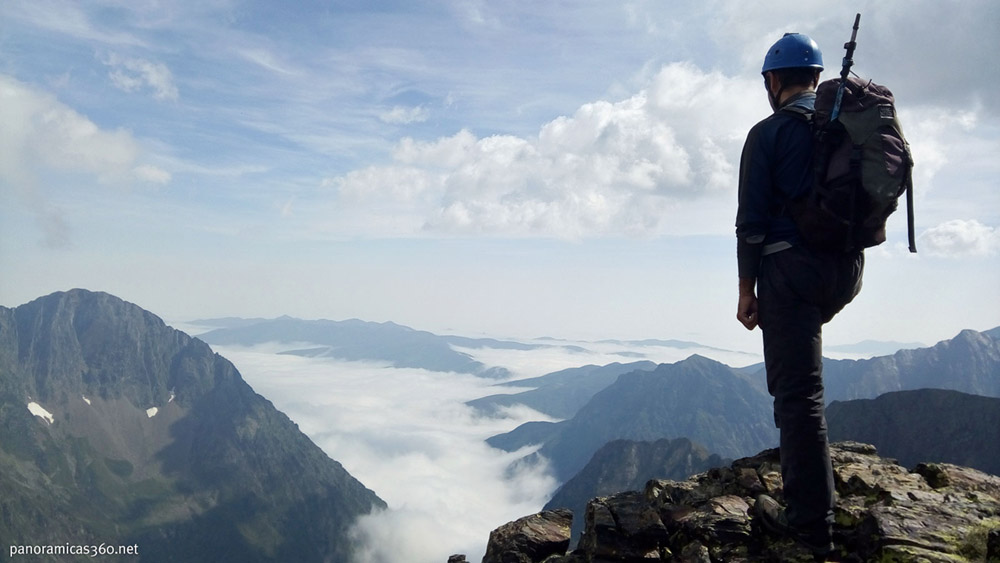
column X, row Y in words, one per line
column 962, row 238
column 626, row 167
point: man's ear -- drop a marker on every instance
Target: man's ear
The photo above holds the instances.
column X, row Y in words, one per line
column 773, row 82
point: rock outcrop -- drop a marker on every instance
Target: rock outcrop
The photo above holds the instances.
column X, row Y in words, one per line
column 624, row 465
column 935, row 513
column 532, row 538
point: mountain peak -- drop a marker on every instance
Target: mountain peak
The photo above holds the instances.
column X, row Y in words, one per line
column 117, row 428
column 698, row 360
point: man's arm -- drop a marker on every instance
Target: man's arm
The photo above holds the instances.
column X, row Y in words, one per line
column 751, row 223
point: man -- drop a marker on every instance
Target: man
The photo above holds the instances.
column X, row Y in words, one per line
column 790, row 290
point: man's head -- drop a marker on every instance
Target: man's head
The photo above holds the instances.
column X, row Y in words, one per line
column 791, row 65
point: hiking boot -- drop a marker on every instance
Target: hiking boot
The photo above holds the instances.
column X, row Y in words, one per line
column 776, row 521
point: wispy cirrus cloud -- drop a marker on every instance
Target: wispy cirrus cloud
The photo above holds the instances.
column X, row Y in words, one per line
column 404, row 115
column 70, row 19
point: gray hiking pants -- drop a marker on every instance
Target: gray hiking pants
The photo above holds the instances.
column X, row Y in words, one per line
column 798, row 292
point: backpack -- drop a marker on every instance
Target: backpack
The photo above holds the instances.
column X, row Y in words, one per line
column 861, row 165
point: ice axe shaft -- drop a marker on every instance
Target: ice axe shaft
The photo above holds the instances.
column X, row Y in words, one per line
column 846, row 68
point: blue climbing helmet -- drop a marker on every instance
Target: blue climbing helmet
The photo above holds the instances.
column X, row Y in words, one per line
column 794, row 50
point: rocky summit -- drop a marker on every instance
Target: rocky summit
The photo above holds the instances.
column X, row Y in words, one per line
column 934, row 513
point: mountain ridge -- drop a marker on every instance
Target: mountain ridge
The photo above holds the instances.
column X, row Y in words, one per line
column 968, row 362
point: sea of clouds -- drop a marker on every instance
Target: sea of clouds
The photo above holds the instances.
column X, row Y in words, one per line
column 408, row 435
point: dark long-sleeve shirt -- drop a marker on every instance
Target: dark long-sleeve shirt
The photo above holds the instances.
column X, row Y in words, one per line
column 775, row 168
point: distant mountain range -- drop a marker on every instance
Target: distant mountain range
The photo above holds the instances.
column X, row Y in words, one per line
column 356, row 340
column 117, row 429
column 969, row 362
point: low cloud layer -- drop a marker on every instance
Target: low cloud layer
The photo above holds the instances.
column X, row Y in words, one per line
column 406, row 434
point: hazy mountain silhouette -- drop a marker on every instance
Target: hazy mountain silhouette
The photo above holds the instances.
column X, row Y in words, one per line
column 560, row 394
column 357, row 340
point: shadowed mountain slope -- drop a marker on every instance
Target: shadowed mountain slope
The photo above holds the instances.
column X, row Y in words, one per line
column 925, row 425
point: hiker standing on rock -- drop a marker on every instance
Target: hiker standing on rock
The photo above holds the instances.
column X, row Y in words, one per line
column 790, row 290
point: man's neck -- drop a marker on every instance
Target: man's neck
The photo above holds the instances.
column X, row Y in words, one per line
column 792, row 92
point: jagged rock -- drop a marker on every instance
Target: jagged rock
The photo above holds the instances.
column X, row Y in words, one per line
column 935, row 513
column 458, row 558
column 629, row 530
column 531, row 539
column 623, row 465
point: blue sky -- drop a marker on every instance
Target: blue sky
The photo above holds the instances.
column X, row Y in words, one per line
column 503, row 168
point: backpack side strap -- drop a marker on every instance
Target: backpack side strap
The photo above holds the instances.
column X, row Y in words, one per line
column 909, row 212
